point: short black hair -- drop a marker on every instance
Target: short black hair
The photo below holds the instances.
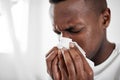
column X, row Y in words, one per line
column 96, row 5
column 55, row 1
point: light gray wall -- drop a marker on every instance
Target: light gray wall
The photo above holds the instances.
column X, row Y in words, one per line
column 114, row 28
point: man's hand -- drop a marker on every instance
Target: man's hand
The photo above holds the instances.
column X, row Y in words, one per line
column 52, row 64
column 68, row 64
column 73, row 65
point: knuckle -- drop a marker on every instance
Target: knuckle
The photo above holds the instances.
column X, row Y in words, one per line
column 72, row 77
column 69, row 63
column 48, row 60
column 55, row 62
column 71, row 68
column 54, row 48
column 90, row 73
column 56, row 78
column 77, row 58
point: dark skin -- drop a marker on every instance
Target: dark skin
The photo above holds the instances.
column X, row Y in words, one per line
column 88, row 29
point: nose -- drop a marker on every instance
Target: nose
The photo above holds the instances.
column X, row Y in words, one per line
column 65, row 34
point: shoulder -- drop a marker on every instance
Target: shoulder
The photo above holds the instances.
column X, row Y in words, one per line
column 117, row 53
column 117, row 47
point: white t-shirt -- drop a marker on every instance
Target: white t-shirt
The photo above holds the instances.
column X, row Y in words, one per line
column 109, row 69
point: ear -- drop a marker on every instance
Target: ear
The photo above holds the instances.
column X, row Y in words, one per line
column 106, row 16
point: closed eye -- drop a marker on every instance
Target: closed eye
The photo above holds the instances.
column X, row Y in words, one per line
column 73, row 30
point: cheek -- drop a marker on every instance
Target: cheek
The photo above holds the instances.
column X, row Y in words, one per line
column 83, row 40
column 91, row 45
column 89, row 41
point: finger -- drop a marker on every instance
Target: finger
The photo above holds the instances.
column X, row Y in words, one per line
column 87, row 68
column 69, row 64
column 54, row 48
column 49, row 60
column 62, row 67
column 55, row 69
column 78, row 63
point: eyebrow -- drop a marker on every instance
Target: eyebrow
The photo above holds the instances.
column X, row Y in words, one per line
column 67, row 29
column 56, row 31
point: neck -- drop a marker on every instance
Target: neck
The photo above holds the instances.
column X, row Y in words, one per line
column 103, row 53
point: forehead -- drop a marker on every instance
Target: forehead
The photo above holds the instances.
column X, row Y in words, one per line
column 69, row 11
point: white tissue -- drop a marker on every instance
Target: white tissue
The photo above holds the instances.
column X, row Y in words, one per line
column 64, row 42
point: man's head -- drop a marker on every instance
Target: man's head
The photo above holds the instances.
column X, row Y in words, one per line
column 84, row 21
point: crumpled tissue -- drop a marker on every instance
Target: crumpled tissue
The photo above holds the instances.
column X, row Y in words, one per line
column 64, row 42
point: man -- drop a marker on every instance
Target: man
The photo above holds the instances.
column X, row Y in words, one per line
column 85, row 22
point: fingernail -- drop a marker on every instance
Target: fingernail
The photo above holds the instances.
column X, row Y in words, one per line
column 64, row 48
column 71, row 44
column 59, row 53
